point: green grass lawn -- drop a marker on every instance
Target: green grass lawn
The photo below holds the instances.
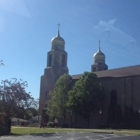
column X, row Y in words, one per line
column 35, row 130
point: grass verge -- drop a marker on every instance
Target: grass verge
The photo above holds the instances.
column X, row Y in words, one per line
column 34, row 130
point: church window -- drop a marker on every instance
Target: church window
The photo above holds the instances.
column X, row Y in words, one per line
column 63, row 60
column 50, row 59
column 94, row 69
column 113, row 97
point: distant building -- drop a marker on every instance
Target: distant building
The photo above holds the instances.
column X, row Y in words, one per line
column 17, row 121
column 122, row 85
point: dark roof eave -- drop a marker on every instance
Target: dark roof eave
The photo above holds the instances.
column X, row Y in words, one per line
column 115, row 73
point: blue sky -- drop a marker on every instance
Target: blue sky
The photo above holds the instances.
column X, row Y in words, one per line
column 27, row 27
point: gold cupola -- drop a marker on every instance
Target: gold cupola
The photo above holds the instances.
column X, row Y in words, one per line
column 99, row 61
column 99, row 57
column 99, row 54
column 58, row 43
column 58, row 40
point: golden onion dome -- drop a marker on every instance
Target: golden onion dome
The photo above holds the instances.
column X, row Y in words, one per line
column 99, row 54
column 58, row 40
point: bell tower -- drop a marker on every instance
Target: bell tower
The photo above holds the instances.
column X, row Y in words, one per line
column 56, row 66
column 57, row 56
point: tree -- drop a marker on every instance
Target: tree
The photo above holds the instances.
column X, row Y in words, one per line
column 84, row 98
column 14, row 99
column 57, row 104
column 30, row 112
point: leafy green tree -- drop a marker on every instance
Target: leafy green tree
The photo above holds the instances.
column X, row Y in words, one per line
column 56, row 106
column 85, row 96
column 30, row 112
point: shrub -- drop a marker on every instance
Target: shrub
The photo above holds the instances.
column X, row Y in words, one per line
column 73, row 125
column 77, row 126
column 102, row 126
column 50, row 124
column 113, row 126
column 22, row 123
column 33, row 125
column 122, row 126
column 65, row 125
column 3, row 129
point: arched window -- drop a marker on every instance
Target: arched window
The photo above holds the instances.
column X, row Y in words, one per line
column 63, row 60
column 113, row 95
column 50, row 60
column 94, row 69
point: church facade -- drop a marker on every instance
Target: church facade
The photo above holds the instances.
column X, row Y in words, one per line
column 122, row 85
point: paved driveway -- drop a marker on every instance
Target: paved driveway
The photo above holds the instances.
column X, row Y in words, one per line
column 72, row 136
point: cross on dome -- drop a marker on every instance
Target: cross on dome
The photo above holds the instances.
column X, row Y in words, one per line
column 58, row 39
column 99, row 44
column 58, row 28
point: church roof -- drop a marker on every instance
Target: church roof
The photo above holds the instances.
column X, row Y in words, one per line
column 115, row 73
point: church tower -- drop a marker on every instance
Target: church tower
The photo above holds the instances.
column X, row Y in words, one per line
column 99, row 61
column 56, row 66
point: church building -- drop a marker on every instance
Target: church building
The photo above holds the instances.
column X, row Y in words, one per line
column 56, row 66
column 121, row 85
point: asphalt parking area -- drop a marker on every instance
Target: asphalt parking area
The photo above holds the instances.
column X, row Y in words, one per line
column 73, row 136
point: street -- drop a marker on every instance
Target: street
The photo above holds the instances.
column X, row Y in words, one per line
column 72, row 136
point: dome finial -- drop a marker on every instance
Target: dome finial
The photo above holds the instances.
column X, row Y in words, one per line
column 58, row 28
column 99, row 44
column 99, row 54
